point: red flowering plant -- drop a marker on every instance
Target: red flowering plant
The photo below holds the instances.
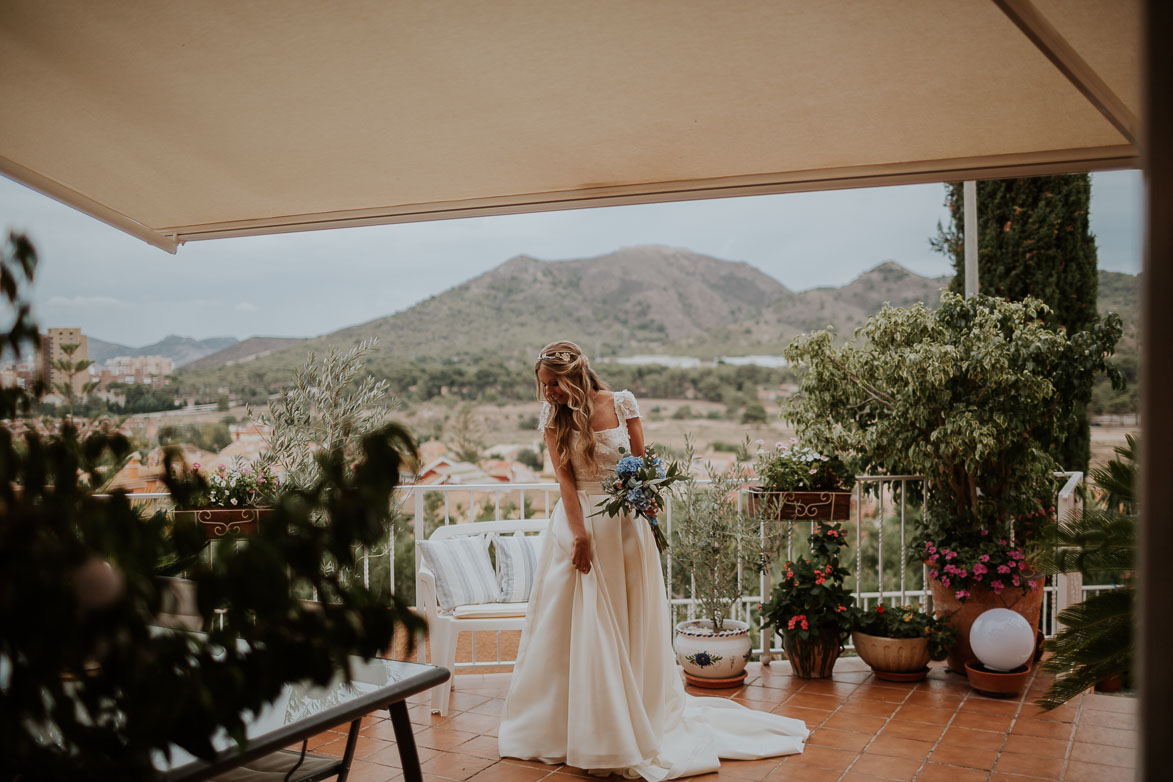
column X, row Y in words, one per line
column 810, row 598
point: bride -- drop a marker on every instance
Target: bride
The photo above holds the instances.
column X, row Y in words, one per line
column 596, row 685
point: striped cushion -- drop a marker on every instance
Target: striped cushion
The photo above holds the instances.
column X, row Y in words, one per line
column 517, row 564
column 464, row 574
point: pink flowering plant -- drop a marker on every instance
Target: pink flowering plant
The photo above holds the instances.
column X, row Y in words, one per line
column 987, row 561
column 811, row 597
column 791, row 466
column 238, row 486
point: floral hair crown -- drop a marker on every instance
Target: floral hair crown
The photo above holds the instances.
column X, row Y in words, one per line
column 560, row 356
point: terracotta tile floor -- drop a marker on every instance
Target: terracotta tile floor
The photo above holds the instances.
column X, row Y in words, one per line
column 861, row 729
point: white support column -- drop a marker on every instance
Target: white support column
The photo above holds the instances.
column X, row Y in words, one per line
column 970, row 226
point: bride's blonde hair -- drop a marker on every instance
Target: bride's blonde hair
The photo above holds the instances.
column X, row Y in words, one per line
column 571, row 421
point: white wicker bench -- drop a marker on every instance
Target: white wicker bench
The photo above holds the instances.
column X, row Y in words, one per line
column 445, row 628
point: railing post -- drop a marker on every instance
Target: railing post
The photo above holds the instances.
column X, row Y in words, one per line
column 1068, row 586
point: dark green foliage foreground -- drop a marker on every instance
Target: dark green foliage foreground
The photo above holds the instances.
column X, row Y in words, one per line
column 87, row 687
column 1096, row 640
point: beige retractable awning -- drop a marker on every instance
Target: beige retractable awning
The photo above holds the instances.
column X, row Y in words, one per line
column 193, row 120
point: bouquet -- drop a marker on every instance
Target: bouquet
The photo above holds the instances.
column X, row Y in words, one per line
column 637, row 488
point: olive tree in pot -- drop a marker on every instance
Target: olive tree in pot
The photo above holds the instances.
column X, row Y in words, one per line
column 712, row 539
column 967, row 395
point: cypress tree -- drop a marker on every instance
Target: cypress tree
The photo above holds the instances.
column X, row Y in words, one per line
column 1034, row 240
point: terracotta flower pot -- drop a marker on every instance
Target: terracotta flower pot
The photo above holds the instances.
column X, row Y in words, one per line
column 814, row 658
column 999, row 684
column 805, row 505
column 961, row 616
column 218, row 522
column 907, row 658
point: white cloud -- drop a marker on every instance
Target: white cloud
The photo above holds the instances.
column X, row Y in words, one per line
column 87, row 302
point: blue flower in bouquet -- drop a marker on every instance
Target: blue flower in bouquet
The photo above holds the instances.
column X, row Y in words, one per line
column 639, row 498
column 661, row 470
column 628, row 466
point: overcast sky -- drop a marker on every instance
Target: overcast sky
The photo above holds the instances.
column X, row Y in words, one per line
column 119, row 289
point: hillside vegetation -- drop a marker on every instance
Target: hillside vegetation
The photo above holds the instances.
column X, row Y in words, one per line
column 476, row 340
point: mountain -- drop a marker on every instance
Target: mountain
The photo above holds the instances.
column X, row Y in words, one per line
column 635, row 300
column 246, row 350
column 181, row 350
column 631, row 300
column 844, row 308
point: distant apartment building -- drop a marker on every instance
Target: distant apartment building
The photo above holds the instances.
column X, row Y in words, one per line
column 53, row 344
column 139, row 369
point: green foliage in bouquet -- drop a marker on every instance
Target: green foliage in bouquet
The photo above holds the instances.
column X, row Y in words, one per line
column 907, row 622
column 811, row 596
column 637, row 487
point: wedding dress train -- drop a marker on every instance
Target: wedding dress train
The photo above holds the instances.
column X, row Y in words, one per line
column 596, row 684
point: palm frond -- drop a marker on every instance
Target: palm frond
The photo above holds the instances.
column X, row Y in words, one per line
column 1095, row 643
column 1097, row 543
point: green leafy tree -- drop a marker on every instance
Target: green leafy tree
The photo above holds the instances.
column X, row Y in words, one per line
column 323, row 410
column 465, row 432
column 1034, row 239
column 71, row 370
column 965, row 395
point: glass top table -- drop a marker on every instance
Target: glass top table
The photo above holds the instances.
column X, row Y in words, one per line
column 303, row 710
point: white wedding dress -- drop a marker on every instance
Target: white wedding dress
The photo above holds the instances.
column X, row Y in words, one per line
column 596, row 684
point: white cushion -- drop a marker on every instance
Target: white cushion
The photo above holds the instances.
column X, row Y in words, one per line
column 517, row 565
column 464, row 574
column 490, row 611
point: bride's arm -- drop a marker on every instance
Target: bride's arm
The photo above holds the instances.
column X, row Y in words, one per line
column 568, row 490
column 635, row 431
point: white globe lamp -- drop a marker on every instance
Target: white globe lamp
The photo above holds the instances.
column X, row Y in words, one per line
column 1002, row 639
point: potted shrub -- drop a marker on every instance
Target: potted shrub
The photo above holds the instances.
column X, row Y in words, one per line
column 710, row 539
column 810, row 607
column 971, row 395
column 229, row 500
column 798, row 483
column 899, row 642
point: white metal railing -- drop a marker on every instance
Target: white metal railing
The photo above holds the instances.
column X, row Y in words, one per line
column 883, row 509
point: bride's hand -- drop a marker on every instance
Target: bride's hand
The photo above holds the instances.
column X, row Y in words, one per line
column 581, row 556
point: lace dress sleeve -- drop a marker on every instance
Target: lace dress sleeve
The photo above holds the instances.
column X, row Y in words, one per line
column 544, row 416
column 625, row 405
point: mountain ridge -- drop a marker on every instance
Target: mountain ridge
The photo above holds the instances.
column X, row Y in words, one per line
column 639, row 300
column 181, row 350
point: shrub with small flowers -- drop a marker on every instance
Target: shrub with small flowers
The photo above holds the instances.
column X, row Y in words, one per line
column 794, row 467
column 907, row 622
column 238, row 486
column 811, row 597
